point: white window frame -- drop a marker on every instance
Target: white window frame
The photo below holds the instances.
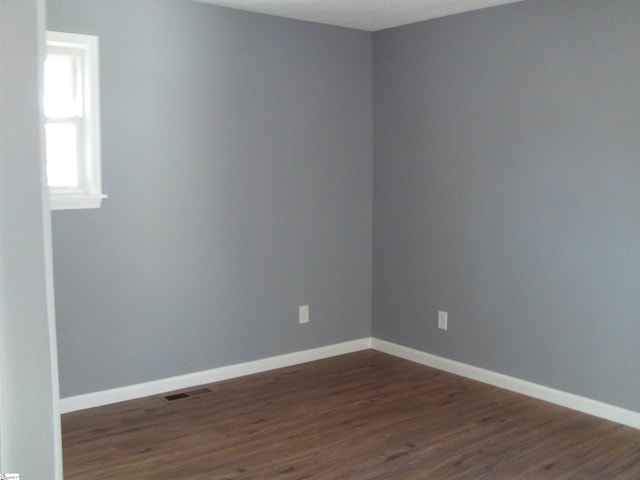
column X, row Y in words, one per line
column 89, row 192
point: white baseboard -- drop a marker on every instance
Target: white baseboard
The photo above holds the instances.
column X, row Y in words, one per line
column 569, row 400
column 114, row 395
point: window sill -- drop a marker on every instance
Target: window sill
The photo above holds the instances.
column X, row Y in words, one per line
column 75, row 201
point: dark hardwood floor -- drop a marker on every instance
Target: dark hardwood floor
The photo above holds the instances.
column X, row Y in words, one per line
column 365, row 415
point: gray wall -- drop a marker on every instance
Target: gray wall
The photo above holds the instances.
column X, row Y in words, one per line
column 507, row 192
column 29, row 421
column 237, row 156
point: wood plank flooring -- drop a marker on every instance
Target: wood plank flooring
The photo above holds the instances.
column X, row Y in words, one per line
column 361, row 416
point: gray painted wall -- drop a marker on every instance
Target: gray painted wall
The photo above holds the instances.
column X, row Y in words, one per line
column 507, row 192
column 29, row 421
column 237, row 156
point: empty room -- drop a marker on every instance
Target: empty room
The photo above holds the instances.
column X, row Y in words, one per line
column 321, row 240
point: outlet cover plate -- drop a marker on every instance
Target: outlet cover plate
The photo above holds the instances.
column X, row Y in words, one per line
column 303, row 314
column 443, row 320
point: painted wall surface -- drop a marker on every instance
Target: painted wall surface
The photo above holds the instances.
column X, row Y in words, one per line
column 29, row 421
column 506, row 192
column 237, row 156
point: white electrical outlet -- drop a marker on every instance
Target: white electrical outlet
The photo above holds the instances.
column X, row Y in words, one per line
column 303, row 314
column 443, row 319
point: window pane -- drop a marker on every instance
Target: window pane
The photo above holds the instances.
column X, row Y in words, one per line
column 60, row 86
column 62, row 154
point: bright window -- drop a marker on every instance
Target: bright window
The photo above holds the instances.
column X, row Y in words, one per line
column 72, row 121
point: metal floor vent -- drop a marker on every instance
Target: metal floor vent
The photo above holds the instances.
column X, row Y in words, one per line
column 192, row 393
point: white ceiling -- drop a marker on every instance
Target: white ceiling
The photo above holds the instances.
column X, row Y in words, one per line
column 361, row 14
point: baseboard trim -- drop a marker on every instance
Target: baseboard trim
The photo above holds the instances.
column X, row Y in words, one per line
column 115, row 395
column 558, row 397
